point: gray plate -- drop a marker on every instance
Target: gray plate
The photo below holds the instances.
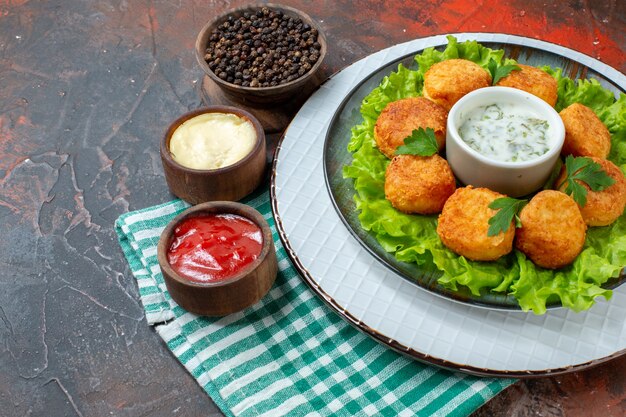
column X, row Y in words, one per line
column 336, row 156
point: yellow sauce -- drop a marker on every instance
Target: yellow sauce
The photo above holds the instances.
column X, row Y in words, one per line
column 212, row 140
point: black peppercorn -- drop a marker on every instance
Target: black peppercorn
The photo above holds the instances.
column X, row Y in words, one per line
column 262, row 48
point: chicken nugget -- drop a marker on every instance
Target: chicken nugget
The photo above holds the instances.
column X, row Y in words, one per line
column 399, row 118
column 585, row 134
column 464, row 222
column 606, row 206
column 553, row 230
column 534, row 81
column 447, row 81
column 418, row 184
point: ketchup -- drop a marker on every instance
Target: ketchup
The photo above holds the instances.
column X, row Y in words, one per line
column 214, row 247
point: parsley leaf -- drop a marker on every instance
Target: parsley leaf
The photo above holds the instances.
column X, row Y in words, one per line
column 508, row 208
column 420, row 142
column 500, row 71
column 583, row 170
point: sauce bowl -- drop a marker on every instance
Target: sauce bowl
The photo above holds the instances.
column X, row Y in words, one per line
column 261, row 95
column 514, row 179
column 228, row 295
column 232, row 182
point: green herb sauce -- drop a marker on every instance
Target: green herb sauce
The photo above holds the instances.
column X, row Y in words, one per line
column 506, row 132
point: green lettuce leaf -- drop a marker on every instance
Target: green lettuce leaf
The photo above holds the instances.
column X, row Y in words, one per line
column 470, row 50
column 413, row 238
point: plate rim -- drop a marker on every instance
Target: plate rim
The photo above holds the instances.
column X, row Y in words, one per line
column 615, row 77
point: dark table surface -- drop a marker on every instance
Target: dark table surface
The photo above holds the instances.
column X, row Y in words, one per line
column 86, row 91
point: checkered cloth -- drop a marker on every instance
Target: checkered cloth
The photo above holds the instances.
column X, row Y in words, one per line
column 289, row 354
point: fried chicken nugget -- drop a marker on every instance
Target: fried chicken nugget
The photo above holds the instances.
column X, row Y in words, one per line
column 602, row 207
column 418, row 184
column 553, row 230
column 464, row 222
column 399, row 118
column 585, row 134
column 447, row 81
column 534, row 81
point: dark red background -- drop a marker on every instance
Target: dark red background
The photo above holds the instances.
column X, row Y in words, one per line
column 87, row 88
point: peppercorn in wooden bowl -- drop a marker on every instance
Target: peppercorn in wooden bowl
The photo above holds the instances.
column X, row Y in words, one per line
column 264, row 53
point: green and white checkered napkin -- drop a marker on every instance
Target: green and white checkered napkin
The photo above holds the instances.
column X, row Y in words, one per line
column 289, row 354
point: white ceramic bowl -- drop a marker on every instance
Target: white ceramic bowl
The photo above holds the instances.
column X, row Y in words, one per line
column 514, row 179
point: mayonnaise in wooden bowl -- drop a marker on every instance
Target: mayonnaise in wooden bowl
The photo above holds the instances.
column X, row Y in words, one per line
column 503, row 139
column 215, row 153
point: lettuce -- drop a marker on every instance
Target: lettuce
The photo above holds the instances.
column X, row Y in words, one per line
column 413, row 238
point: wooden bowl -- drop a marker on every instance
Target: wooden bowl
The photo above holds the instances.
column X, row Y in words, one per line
column 230, row 183
column 274, row 94
column 232, row 294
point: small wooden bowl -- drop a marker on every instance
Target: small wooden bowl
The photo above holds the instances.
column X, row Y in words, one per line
column 230, row 183
column 232, row 294
column 274, row 94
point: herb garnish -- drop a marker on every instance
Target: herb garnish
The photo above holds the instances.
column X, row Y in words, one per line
column 508, row 208
column 420, row 142
column 500, row 71
column 582, row 169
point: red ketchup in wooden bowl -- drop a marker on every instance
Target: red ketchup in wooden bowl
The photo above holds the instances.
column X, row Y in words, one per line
column 214, row 247
column 217, row 258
